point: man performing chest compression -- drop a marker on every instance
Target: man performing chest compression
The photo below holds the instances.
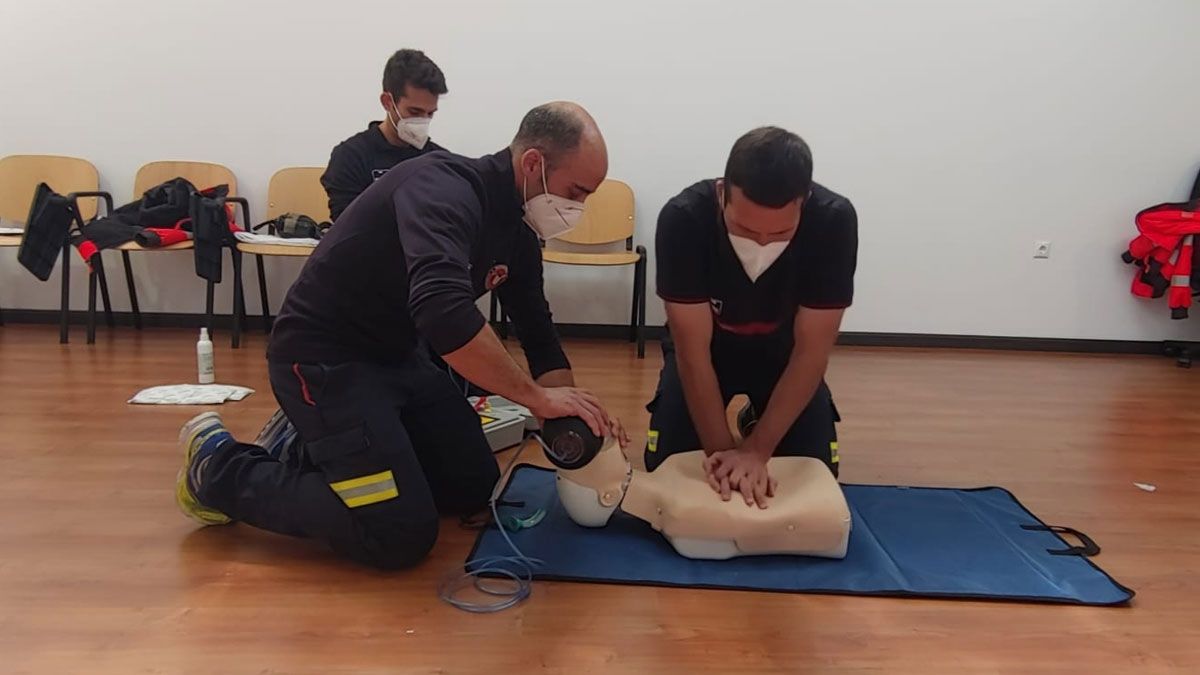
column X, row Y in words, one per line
column 386, row 440
column 756, row 270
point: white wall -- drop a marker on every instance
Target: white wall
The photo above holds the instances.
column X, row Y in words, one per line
column 963, row 131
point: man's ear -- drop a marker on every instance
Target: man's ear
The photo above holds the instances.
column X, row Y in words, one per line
column 385, row 100
column 530, row 161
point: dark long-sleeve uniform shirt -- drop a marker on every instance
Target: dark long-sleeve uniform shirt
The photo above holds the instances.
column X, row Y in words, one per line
column 360, row 160
column 409, row 258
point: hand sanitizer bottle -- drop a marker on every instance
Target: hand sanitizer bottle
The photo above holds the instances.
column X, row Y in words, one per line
column 204, row 357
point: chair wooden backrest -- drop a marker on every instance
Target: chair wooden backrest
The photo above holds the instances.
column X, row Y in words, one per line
column 607, row 216
column 201, row 174
column 298, row 189
column 20, row 175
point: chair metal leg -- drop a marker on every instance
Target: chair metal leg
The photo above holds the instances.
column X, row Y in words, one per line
column 64, row 316
column 633, row 312
column 262, row 293
column 242, row 295
column 644, row 263
column 208, row 306
column 494, row 313
column 108, row 315
column 498, row 317
column 93, row 281
column 239, row 298
column 240, row 288
column 133, row 299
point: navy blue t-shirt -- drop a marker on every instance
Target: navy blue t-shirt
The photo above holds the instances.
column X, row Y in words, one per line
column 360, row 160
column 697, row 263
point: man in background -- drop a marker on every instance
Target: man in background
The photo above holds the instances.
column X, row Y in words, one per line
column 412, row 83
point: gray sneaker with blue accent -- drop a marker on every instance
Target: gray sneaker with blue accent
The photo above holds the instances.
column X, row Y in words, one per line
column 278, row 437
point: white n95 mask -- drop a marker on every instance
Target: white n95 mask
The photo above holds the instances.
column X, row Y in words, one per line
column 413, row 130
column 756, row 258
column 551, row 215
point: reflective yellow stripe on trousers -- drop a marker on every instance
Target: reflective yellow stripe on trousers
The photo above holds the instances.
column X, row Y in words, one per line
column 364, row 490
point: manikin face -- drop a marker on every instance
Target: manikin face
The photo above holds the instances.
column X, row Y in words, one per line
column 592, row 494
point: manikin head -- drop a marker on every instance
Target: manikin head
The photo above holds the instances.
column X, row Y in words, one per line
column 593, row 473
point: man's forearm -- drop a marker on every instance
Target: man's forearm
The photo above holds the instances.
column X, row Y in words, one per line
column 790, row 397
column 485, row 362
column 703, row 395
column 563, row 377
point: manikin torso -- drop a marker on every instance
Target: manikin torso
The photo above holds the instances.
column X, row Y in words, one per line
column 807, row 516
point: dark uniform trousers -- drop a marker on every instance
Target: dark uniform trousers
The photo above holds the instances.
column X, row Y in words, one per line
column 384, row 450
column 750, row 366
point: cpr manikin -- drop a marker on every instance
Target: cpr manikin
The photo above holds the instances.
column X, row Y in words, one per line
column 807, row 516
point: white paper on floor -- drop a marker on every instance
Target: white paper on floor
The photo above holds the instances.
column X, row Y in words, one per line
column 191, row 394
column 1146, row 486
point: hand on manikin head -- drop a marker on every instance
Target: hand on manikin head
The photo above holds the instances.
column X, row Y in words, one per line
column 593, row 472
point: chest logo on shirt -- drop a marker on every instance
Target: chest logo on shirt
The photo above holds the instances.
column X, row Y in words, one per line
column 717, row 305
column 496, row 276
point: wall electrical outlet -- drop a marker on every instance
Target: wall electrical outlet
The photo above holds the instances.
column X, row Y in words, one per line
column 1041, row 249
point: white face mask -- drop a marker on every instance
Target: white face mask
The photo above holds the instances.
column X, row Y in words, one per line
column 550, row 215
column 756, row 258
column 414, row 130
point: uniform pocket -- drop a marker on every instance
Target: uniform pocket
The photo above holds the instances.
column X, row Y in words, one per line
column 352, row 469
column 310, row 382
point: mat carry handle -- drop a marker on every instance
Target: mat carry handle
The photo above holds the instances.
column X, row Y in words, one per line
column 1087, row 550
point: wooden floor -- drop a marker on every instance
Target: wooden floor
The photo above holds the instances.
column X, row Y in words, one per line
column 100, row 574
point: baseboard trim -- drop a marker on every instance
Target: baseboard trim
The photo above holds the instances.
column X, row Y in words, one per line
column 601, row 331
column 149, row 319
column 619, row 332
column 916, row 340
column 1000, row 343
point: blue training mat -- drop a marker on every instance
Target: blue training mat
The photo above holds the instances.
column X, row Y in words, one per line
column 916, row 542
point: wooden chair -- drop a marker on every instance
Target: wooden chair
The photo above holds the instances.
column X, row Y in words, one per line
column 200, row 174
column 607, row 219
column 294, row 189
column 19, row 178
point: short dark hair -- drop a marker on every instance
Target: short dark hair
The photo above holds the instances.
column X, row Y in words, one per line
column 410, row 67
column 772, row 166
column 553, row 128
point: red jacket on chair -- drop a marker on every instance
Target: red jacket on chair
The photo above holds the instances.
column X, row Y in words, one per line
column 1164, row 253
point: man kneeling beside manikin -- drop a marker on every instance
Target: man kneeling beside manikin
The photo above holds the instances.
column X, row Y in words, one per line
column 808, row 515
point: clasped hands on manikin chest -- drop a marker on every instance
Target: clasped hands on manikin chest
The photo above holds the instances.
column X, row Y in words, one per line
column 808, row 515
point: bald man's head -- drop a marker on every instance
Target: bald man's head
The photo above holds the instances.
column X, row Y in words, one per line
column 564, row 140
